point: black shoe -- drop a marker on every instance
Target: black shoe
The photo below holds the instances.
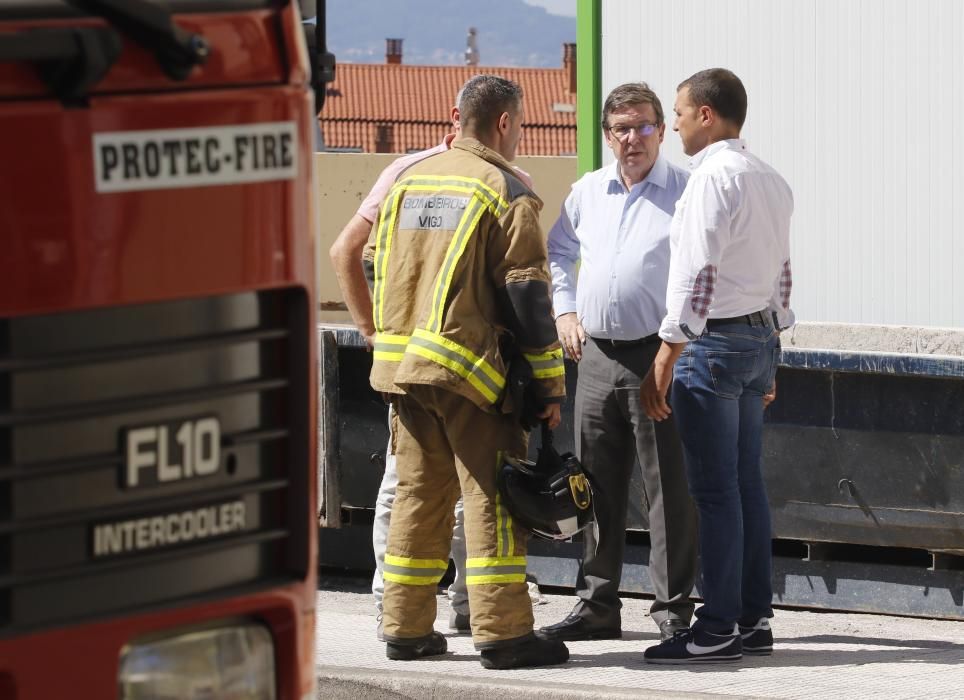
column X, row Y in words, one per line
column 670, row 626
column 696, row 647
column 528, row 652
column 459, row 623
column 757, row 638
column 430, row 645
column 576, row 629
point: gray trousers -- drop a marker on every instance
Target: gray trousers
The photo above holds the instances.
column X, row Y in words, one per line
column 611, row 433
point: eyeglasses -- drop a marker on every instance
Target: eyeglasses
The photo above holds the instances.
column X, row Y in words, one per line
column 621, row 131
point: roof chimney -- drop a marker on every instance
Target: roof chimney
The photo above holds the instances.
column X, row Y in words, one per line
column 393, row 50
column 384, row 138
column 471, row 48
column 569, row 65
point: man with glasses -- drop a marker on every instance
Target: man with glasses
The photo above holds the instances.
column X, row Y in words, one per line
column 615, row 227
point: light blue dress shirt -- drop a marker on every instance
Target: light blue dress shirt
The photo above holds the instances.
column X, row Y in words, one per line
column 618, row 241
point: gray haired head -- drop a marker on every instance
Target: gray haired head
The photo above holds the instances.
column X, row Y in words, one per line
column 627, row 95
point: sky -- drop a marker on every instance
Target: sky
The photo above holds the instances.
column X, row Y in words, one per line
column 567, row 8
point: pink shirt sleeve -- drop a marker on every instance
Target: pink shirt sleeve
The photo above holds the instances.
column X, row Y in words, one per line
column 369, row 208
column 524, row 176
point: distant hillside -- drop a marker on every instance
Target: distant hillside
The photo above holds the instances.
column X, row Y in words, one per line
column 510, row 33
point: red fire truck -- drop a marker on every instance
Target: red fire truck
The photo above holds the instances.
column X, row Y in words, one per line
column 157, row 417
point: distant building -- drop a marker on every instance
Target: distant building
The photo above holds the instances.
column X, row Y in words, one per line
column 395, row 108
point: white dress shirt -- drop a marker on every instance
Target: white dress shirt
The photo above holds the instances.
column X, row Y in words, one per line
column 730, row 243
column 619, row 240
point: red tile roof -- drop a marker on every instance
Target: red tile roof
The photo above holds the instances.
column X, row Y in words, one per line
column 416, row 101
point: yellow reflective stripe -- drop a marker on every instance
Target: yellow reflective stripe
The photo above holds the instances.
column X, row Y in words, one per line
column 461, row 189
column 411, row 563
column 411, row 580
column 456, row 367
column 390, row 347
column 459, row 184
column 495, row 570
column 474, row 359
column 468, row 224
column 495, row 578
column 412, row 571
column 465, row 363
column 383, row 245
column 546, row 364
column 543, row 356
column 503, row 521
column 505, row 540
column 483, row 196
column 498, row 507
column 479, row 562
column 507, row 523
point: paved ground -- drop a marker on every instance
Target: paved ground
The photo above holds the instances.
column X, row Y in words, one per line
column 817, row 655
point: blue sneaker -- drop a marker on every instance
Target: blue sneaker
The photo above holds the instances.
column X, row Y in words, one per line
column 691, row 646
column 757, row 638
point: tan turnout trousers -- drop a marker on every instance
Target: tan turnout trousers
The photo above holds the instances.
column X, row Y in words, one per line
column 443, row 441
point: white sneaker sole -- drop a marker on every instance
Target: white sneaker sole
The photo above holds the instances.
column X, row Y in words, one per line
column 708, row 659
column 761, row 651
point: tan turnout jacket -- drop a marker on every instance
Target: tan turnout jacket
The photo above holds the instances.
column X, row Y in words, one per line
column 457, row 261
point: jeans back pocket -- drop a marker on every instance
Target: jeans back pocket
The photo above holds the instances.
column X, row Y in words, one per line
column 731, row 372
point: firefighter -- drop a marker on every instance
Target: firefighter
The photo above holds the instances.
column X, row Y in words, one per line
column 460, row 288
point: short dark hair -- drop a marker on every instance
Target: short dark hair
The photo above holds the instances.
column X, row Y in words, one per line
column 484, row 98
column 631, row 94
column 719, row 89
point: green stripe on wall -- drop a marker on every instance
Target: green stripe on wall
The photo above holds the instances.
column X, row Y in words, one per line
column 588, row 79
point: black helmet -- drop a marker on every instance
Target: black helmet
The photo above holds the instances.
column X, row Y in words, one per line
column 550, row 497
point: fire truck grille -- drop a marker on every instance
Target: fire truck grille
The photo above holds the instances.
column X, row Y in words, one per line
column 151, row 455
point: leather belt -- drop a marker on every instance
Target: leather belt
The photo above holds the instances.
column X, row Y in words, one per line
column 616, row 343
column 757, row 318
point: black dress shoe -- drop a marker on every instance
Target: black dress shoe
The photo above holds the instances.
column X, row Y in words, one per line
column 576, row 629
column 670, row 626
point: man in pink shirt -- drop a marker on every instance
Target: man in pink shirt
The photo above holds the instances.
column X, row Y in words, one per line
column 346, row 252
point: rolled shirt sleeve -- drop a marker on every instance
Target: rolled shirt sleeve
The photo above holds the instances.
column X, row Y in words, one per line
column 779, row 307
column 699, row 235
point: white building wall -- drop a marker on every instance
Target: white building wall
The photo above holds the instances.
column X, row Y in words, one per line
column 860, row 104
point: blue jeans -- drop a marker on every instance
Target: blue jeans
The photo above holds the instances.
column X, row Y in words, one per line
column 717, row 399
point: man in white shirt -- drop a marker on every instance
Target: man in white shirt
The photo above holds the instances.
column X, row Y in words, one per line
column 727, row 299
column 614, row 227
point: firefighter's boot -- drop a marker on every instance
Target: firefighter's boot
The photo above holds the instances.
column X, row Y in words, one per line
column 525, row 652
column 430, row 645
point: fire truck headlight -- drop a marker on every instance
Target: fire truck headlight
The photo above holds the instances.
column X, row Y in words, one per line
column 227, row 662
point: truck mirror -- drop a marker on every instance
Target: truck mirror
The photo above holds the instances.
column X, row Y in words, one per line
column 322, row 62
